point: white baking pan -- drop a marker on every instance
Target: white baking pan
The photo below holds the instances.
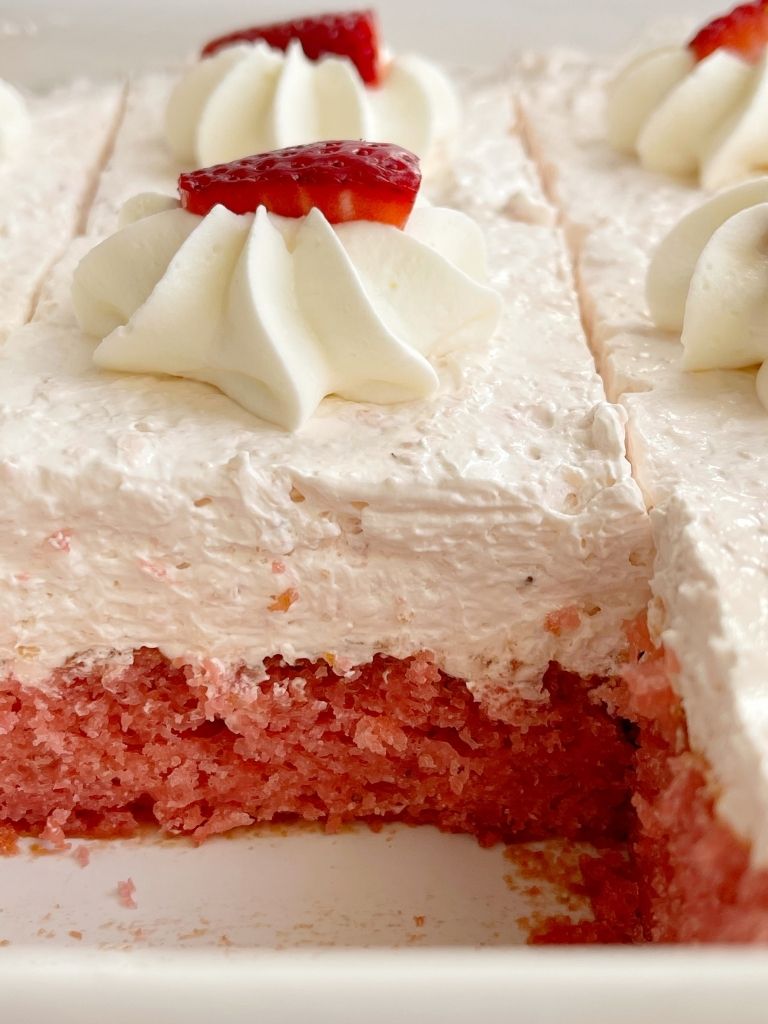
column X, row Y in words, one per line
column 293, row 925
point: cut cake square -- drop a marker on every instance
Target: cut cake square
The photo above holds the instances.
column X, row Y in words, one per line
column 399, row 613
column 697, row 445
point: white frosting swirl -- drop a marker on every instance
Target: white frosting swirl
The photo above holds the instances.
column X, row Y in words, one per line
column 251, row 98
column 278, row 313
column 14, row 119
column 685, row 118
column 709, row 280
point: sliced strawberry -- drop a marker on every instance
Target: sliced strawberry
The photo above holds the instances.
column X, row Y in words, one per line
column 744, row 31
column 344, row 180
column 353, row 34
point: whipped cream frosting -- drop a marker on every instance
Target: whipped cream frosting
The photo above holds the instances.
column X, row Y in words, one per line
column 708, row 280
column 697, row 440
column 14, row 119
column 251, row 98
column 46, row 184
column 159, row 512
column 279, row 312
column 687, row 118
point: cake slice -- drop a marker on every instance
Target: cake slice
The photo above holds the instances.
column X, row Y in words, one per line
column 48, row 173
column 404, row 612
column 697, row 443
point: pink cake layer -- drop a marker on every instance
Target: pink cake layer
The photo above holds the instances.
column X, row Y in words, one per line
column 397, row 740
column 103, row 753
column 697, row 884
column 689, row 877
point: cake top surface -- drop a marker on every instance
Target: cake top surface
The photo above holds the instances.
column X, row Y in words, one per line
column 522, row 408
column 490, row 399
column 510, row 487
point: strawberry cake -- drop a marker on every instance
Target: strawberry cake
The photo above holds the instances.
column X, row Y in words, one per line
column 336, row 495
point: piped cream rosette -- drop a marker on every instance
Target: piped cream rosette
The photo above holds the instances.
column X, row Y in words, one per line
column 704, row 119
column 279, row 312
column 250, row 98
column 708, row 280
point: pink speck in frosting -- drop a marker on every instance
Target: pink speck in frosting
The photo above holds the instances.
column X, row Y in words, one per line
column 563, row 621
column 278, row 567
column 60, row 540
column 125, row 894
column 157, row 572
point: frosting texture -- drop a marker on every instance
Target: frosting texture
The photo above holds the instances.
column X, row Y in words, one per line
column 709, row 280
column 278, row 312
column 687, row 118
column 143, row 510
column 46, row 182
column 252, row 98
column 14, row 119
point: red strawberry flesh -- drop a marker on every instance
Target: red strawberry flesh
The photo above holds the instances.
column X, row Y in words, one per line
column 346, row 181
column 353, row 34
column 743, row 31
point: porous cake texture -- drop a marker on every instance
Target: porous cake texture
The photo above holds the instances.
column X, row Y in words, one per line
column 200, row 752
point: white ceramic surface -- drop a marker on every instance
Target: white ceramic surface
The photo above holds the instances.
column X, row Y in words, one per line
column 221, row 932
column 267, row 889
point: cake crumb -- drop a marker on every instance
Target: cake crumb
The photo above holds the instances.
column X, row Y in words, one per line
column 601, row 880
column 9, row 842
column 74, row 934
column 419, row 920
column 125, row 894
column 53, row 833
column 82, row 855
column 558, row 866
